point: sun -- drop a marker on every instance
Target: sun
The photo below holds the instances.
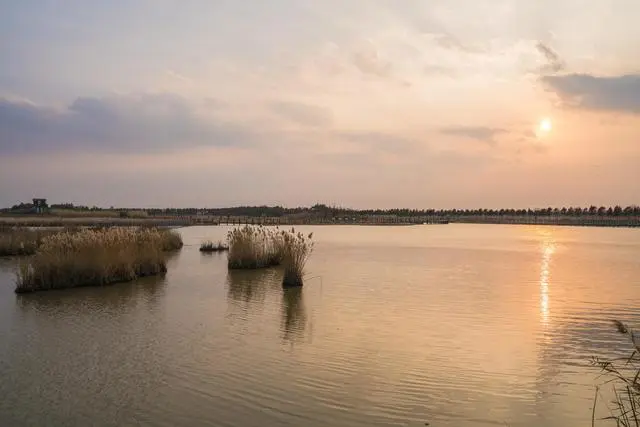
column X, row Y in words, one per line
column 545, row 125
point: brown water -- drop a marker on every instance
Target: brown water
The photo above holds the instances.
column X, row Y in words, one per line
column 455, row 325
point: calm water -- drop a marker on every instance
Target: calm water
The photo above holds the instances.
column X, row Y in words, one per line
column 455, row 325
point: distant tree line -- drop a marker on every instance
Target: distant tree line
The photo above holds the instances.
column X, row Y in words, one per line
column 324, row 211
column 64, row 206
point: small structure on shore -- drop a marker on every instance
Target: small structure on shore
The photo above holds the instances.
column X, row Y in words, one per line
column 40, row 205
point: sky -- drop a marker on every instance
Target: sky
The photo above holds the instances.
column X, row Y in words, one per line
column 359, row 103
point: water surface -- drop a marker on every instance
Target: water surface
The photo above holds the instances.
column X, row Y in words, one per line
column 455, row 325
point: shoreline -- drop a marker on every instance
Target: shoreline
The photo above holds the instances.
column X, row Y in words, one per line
column 176, row 222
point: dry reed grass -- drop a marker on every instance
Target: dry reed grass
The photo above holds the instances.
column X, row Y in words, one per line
column 259, row 247
column 77, row 213
column 96, row 257
column 297, row 249
column 254, row 247
column 623, row 378
column 20, row 241
column 171, row 240
column 209, row 246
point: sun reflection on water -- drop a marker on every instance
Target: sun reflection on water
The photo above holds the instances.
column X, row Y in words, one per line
column 548, row 249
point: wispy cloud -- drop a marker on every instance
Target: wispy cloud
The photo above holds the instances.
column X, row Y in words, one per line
column 144, row 123
column 554, row 61
column 439, row 70
column 449, row 41
column 381, row 142
column 479, row 133
column 367, row 60
column 304, row 114
column 175, row 75
column 616, row 93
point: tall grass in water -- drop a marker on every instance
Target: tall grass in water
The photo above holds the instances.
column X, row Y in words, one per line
column 20, row 241
column 296, row 250
column 95, row 258
column 623, row 376
column 259, row 247
column 254, row 247
column 171, row 240
column 209, row 246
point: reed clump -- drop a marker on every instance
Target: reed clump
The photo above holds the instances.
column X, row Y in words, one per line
column 623, row 378
column 95, row 258
column 254, row 247
column 297, row 249
column 259, row 247
column 20, row 241
column 171, row 240
column 210, row 246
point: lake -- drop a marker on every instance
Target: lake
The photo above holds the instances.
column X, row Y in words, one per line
column 454, row 325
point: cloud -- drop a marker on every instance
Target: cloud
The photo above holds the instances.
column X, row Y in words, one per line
column 439, row 70
column 304, row 114
column 480, row 133
column 554, row 62
column 449, row 41
column 380, row 142
column 616, row 93
column 144, row 123
column 175, row 75
column 368, row 61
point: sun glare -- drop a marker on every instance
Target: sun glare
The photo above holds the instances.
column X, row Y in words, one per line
column 545, row 125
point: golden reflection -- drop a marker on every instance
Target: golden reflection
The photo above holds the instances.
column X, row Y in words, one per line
column 548, row 248
column 294, row 317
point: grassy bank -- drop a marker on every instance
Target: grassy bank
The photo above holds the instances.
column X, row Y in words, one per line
column 96, row 258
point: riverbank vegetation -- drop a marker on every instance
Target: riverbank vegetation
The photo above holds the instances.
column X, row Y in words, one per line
column 210, row 246
column 96, row 257
column 622, row 380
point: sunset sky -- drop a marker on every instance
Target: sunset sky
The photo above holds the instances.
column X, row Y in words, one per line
column 360, row 103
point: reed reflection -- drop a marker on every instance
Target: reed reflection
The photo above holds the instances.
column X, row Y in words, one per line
column 116, row 298
column 294, row 316
column 250, row 286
